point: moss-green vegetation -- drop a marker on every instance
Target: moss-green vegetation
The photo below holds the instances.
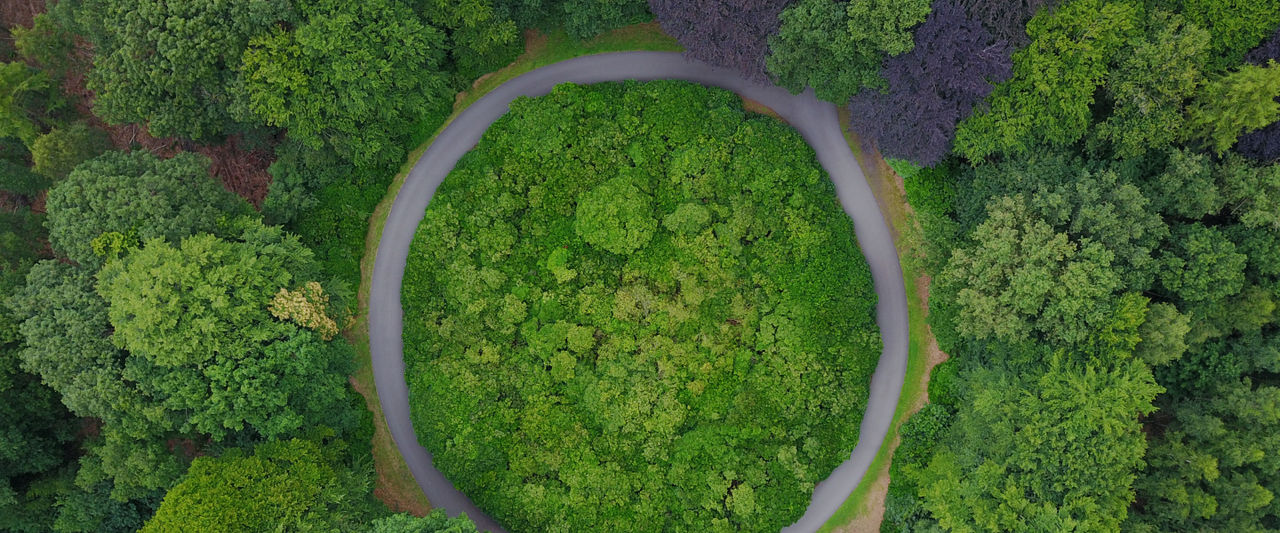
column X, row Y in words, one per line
column 396, row 485
column 634, row 308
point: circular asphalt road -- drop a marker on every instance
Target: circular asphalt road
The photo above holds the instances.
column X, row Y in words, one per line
column 817, row 123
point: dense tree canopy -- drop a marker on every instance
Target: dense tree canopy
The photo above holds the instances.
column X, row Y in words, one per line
column 139, row 195
column 1214, row 466
column 206, row 339
column 376, row 58
column 173, row 63
column 1021, row 277
column 34, row 425
column 1047, row 102
column 290, row 485
column 22, row 91
column 836, row 47
column 1151, row 81
column 1236, row 26
column 727, row 33
column 931, row 88
column 1055, row 452
column 480, row 38
column 655, row 294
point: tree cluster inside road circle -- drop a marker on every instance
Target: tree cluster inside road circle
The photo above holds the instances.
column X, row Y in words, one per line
column 635, row 306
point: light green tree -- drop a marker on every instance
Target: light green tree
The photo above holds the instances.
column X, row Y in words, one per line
column 291, row 485
column 1239, row 102
column 616, row 216
column 1019, row 277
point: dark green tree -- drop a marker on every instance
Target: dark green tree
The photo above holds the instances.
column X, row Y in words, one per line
column 138, row 195
column 1214, row 467
column 174, row 64
column 480, row 38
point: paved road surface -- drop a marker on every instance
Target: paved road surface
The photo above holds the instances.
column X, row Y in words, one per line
column 815, row 120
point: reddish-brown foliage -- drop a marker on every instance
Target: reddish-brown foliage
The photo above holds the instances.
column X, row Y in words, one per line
column 19, row 12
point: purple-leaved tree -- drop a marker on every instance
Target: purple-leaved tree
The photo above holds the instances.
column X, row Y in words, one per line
column 727, row 33
column 1263, row 144
column 1004, row 18
column 933, row 87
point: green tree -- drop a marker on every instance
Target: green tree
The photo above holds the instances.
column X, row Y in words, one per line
column 292, row 485
column 435, row 522
column 1239, row 102
column 67, row 338
column 1235, row 26
column 1020, row 277
column 1187, row 186
column 207, row 342
column 21, row 238
column 1048, row 101
column 173, row 64
column 836, row 47
column 1202, row 264
column 480, row 38
column 1148, row 88
column 55, row 154
column 1057, row 451
column 1163, row 335
column 1084, row 199
column 1214, row 466
column 135, row 193
column 616, row 216
column 15, row 169
column 23, row 100
column 377, row 58
column 46, row 42
column 1252, row 192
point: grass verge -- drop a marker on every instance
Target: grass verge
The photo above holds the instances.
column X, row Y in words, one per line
column 864, row 509
column 395, row 484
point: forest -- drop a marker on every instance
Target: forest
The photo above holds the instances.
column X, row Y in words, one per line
column 193, row 142
column 1097, row 185
column 657, row 296
column 1099, row 195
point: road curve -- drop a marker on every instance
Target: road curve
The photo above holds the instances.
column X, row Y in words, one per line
column 817, row 123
